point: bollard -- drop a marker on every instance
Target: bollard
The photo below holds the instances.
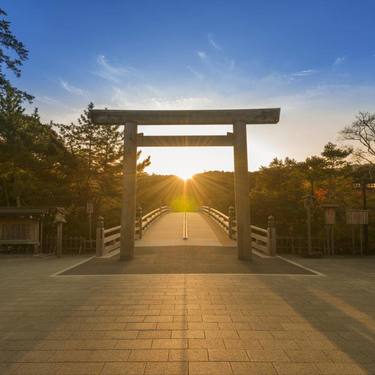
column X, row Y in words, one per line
column 100, row 236
column 231, row 215
column 139, row 221
column 271, row 234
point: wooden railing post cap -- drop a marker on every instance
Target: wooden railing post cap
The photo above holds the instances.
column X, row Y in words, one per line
column 100, row 222
column 231, row 210
column 271, row 221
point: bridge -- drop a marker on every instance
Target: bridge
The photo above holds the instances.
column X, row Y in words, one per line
column 186, row 242
column 208, row 227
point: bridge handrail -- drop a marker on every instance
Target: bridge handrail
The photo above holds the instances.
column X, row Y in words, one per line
column 262, row 239
column 108, row 239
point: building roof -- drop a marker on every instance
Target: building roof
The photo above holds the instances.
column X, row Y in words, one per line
column 22, row 211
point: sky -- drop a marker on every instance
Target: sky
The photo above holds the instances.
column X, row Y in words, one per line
column 313, row 59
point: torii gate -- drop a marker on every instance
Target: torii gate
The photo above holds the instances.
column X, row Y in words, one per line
column 239, row 118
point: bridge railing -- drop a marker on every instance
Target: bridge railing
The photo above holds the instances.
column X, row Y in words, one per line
column 108, row 239
column 262, row 239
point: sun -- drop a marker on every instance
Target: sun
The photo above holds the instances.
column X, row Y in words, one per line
column 184, row 175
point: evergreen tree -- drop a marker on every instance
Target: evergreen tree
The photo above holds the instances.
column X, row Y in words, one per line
column 12, row 55
column 98, row 151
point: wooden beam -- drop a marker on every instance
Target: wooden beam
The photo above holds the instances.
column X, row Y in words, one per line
column 241, row 189
column 186, row 117
column 185, row 141
column 128, row 212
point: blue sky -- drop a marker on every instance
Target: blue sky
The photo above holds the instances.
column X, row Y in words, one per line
column 314, row 59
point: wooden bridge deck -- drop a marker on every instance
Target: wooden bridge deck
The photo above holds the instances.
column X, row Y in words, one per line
column 168, row 231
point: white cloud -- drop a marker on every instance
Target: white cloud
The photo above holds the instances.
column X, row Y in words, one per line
column 143, row 97
column 339, row 60
column 202, row 55
column 213, row 43
column 195, row 73
column 304, row 73
column 111, row 72
column 71, row 89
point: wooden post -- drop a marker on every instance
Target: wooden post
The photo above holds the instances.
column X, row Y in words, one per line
column 139, row 221
column 231, row 216
column 129, row 193
column 59, row 239
column 271, row 234
column 100, row 236
column 59, row 220
column 241, row 183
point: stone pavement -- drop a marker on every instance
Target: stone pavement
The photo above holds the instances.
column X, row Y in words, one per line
column 186, row 323
column 186, row 260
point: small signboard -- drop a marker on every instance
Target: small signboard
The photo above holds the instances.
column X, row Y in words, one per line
column 330, row 216
column 357, row 217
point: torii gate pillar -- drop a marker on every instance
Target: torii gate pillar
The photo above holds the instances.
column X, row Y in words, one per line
column 129, row 193
column 241, row 190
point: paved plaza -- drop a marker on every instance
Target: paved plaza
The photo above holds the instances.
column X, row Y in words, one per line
column 187, row 323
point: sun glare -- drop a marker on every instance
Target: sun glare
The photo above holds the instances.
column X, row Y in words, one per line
column 184, row 175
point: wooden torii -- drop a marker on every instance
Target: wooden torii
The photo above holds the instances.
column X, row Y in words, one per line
column 239, row 118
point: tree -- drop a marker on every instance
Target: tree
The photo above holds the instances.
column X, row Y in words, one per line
column 336, row 165
column 97, row 150
column 362, row 132
column 313, row 170
column 32, row 155
column 12, row 55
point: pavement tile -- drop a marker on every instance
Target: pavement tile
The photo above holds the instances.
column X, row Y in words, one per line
column 188, row 355
column 297, row 369
column 134, row 344
column 252, row 368
column 149, row 355
column 188, row 334
column 163, row 334
column 124, row 368
column 81, row 369
column 167, row 368
column 169, row 343
column 227, row 355
column 343, row 369
column 216, row 343
column 210, row 368
column 37, row 369
column 268, row 355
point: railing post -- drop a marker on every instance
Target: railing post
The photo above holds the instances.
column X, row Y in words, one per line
column 271, row 234
column 100, row 236
column 231, row 215
column 139, row 221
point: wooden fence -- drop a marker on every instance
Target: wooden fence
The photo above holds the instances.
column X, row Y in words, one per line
column 263, row 240
column 108, row 240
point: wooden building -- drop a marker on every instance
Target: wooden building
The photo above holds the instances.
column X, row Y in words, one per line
column 21, row 226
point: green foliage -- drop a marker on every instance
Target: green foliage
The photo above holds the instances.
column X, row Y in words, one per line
column 12, row 54
column 31, row 155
